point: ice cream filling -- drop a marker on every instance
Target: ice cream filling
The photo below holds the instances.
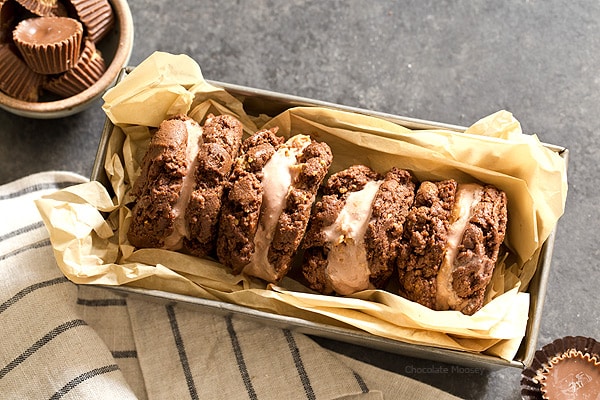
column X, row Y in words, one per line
column 180, row 229
column 467, row 197
column 279, row 174
column 347, row 265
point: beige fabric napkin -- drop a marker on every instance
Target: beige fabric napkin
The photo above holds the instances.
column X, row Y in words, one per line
column 65, row 341
column 48, row 350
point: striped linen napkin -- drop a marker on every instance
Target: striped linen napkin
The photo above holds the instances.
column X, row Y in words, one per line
column 65, row 341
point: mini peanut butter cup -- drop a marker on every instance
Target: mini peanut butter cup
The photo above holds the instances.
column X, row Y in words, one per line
column 88, row 69
column 573, row 375
column 97, row 17
column 39, row 7
column 49, row 45
column 16, row 78
column 568, row 368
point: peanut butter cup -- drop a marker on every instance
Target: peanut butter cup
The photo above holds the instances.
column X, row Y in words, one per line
column 96, row 16
column 49, row 45
column 88, row 69
column 572, row 375
column 568, row 368
column 16, row 78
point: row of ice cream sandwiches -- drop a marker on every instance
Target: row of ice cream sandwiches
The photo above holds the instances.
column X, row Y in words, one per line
column 260, row 204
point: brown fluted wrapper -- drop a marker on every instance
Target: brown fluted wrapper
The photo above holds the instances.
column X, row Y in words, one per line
column 16, row 78
column 84, row 74
column 40, row 7
column 49, row 45
column 96, row 16
column 563, row 369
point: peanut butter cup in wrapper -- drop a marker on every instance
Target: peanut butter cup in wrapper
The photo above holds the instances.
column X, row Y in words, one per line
column 97, row 17
column 40, row 7
column 49, row 45
column 88, row 69
column 16, row 78
column 568, row 368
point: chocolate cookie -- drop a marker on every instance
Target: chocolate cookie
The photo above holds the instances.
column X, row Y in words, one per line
column 453, row 235
column 221, row 140
column 383, row 238
column 356, row 230
column 160, row 190
column 179, row 190
column 268, row 203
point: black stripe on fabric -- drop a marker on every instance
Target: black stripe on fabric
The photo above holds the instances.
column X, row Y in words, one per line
column 310, row 394
column 101, row 302
column 361, row 383
column 32, row 246
column 22, row 230
column 29, row 289
column 189, row 379
column 38, row 187
column 239, row 357
column 40, row 343
column 124, row 353
column 82, row 378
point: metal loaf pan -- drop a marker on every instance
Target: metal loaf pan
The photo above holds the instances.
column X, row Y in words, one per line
column 257, row 102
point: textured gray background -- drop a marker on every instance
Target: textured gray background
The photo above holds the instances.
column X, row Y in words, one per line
column 448, row 61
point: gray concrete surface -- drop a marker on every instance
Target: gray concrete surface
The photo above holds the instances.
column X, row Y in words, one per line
column 448, row 61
